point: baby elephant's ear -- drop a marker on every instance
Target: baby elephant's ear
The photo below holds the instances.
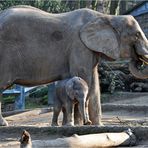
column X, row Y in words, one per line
column 99, row 36
column 69, row 88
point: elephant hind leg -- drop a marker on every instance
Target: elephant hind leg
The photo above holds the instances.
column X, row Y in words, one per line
column 3, row 122
column 3, row 86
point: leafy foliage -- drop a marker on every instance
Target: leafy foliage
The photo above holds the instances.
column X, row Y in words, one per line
column 8, row 99
column 58, row 6
column 37, row 93
column 54, row 6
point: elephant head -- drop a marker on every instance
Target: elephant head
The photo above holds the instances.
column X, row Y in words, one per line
column 118, row 37
column 77, row 90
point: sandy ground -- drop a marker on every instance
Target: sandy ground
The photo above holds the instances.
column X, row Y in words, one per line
column 42, row 118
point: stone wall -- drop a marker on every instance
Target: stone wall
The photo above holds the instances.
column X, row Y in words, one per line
column 8, row 107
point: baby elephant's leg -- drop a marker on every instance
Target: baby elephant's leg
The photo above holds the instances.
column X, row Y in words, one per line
column 69, row 110
column 56, row 113
column 78, row 119
column 64, row 116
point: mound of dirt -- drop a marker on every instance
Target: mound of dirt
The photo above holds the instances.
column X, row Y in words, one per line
column 118, row 115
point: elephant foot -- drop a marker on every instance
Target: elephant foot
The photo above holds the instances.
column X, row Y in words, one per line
column 69, row 124
column 88, row 123
column 101, row 124
column 78, row 122
column 96, row 121
column 54, row 124
column 3, row 122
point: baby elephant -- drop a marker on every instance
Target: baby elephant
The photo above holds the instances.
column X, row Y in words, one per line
column 68, row 93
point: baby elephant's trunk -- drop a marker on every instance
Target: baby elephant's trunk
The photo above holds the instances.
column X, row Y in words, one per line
column 83, row 111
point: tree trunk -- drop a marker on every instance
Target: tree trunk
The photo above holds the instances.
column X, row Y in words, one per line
column 113, row 6
column 72, row 4
column 100, row 6
column 88, row 3
column 122, row 7
column 90, row 141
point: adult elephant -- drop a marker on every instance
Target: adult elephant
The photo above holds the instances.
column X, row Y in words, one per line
column 37, row 48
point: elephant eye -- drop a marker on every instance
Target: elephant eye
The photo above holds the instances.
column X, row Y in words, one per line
column 77, row 92
column 137, row 35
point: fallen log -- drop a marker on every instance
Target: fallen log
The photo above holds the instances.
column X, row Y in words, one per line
column 126, row 138
column 36, row 111
column 11, row 113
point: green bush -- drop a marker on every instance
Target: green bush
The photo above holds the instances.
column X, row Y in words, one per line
column 53, row 6
column 8, row 99
column 39, row 92
column 45, row 100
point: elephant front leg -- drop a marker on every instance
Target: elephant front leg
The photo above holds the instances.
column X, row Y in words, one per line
column 78, row 119
column 70, row 110
column 95, row 112
column 3, row 122
column 56, row 113
column 64, row 116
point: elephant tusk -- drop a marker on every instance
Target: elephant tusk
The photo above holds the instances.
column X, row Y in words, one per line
column 144, row 62
column 145, row 56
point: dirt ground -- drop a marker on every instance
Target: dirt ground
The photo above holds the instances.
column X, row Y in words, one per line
column 120, row 115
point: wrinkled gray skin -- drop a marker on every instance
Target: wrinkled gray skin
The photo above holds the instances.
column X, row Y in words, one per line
column 68, row 93
column 37, row 48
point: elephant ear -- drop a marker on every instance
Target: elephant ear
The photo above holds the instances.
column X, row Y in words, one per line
column 69, row 89
column 99, row 36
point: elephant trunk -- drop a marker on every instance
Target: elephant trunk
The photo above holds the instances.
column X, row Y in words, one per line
column 139, row 69
column 82, row 110
column 139, row 65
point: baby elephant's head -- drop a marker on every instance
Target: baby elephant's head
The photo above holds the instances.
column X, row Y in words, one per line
column 77, row 89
